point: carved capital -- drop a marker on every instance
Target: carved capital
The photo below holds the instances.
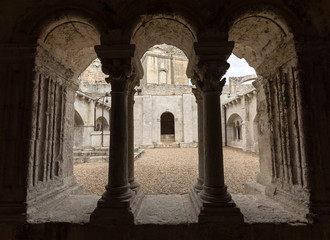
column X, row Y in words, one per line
column 119, row 84
column 208, row 74
column 117, row 68
column 211, row 65
column 131, row 88
column 198, row 94
column 118, row 62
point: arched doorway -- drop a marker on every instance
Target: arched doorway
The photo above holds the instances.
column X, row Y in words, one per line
column 167, row 127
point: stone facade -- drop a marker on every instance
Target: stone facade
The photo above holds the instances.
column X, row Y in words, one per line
column 164, row 89
column 239, row 114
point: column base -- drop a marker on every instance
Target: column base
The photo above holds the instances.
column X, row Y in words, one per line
column 198, row 185
column 134, row 185
column 118, row 212
column 207, row 212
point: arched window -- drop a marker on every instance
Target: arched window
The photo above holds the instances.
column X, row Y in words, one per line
column 238, row 131
column 162, row 78
column 102, row 123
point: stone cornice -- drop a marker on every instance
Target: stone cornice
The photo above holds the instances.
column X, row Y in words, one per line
column 239, row 97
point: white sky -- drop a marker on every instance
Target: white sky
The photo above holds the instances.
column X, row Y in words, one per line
column 238, row 67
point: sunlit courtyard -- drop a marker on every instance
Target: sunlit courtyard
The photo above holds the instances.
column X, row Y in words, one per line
column 172, row 170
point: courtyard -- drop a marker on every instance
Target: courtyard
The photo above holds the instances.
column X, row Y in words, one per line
column 172, row 170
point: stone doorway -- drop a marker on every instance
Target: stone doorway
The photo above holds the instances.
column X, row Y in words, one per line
column 167, row 128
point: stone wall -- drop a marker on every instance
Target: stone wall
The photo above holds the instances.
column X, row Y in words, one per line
column 239, row 104
column 147, row 112
column 164, row 64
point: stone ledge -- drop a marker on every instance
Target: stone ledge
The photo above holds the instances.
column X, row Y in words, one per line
column 156, row 209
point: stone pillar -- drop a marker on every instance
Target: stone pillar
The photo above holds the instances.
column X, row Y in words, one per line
column 133, row 184
column 245, row 122
column 265, row 175
column 214, row 189
column 117, row 203
column 187, row 120
column 312, row 122
column 199, row 100
column 147, row 122
column 215, row 203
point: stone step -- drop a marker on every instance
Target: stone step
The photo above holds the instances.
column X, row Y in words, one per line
column 86, row 158
column 98, row 153
column 167, row 145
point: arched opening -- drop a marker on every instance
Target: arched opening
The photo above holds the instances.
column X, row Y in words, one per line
column 167, row 126
column 267, row 44
column 78, row 129
column 102, row 124
column 234, row 130
column 65, row 48
column 162, row 77
column 165, row 119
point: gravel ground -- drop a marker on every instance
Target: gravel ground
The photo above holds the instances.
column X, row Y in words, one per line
column 172, row 170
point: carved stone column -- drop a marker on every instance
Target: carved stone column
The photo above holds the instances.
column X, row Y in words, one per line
column 133, row 184
column 116, row 203
column 199, row 100
column 215, row 203
column 313, row 124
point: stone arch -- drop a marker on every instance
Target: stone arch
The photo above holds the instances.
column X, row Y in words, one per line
column 286, row 19
column 65, row 47
column 50, row 18
column 258, row 42
column 150, row 31
column 234, row 130
column 267, row 43
column 71, row 44
column 78, row 129
column 102, row 121
column 162, row 77
column 78, row 120
column 167, row 127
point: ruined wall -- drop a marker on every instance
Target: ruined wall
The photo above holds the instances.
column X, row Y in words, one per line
column 164, row 64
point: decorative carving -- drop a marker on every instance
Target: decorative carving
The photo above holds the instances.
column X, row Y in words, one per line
column 212, row 65
column 118, row 63
column 198, row 94
column 208, row 73
column 116, row 68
